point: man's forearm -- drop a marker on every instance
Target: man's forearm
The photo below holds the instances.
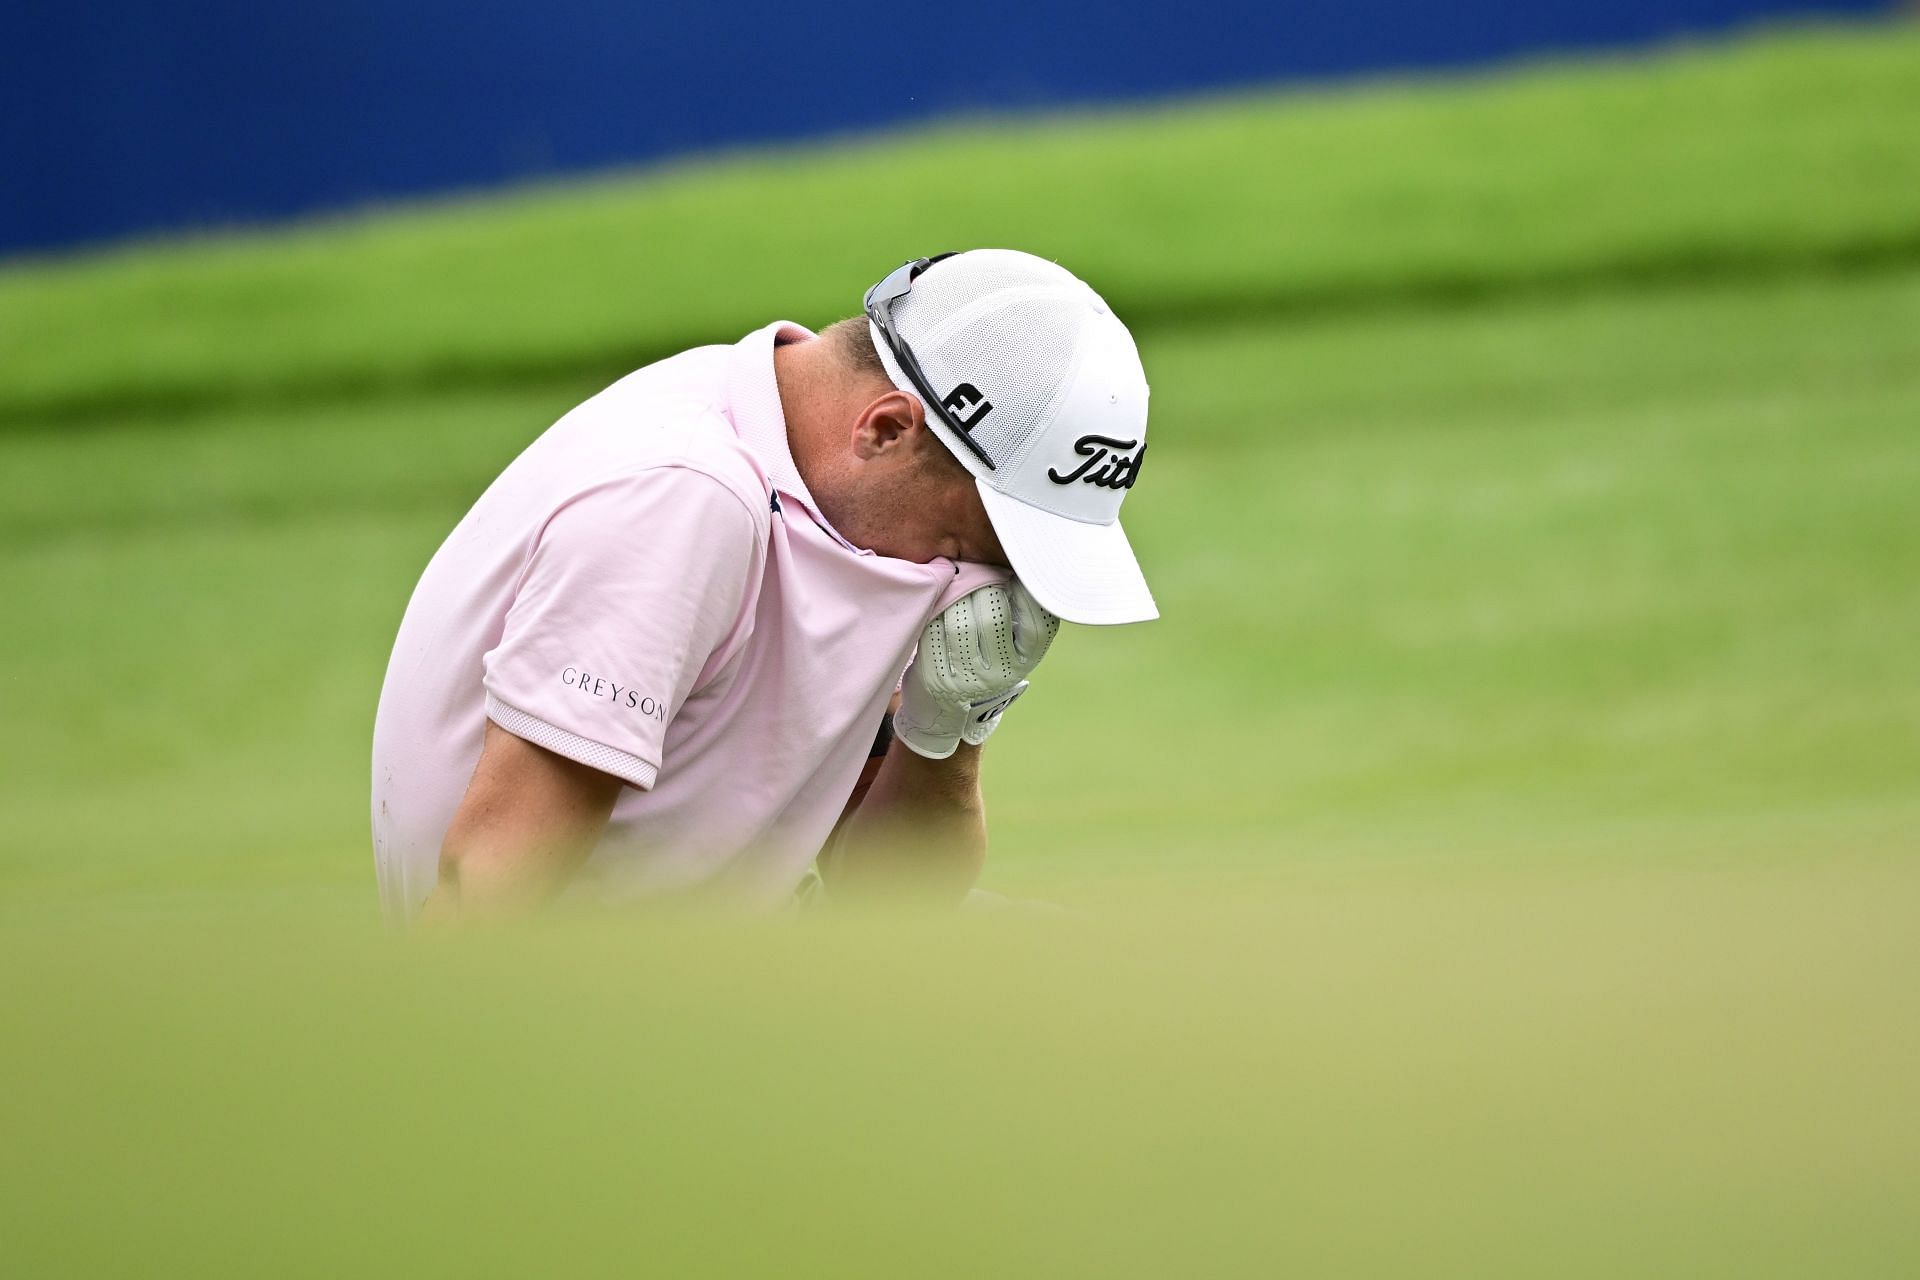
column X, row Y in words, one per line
column 528, row 820
column 921, row 830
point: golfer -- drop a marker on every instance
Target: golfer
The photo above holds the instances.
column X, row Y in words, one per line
column 659, row 654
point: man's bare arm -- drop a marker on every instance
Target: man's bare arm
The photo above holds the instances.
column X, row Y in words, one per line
column 920, row 831
column 528, row 820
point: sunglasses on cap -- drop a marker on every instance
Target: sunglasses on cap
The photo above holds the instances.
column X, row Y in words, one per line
column 879, row 308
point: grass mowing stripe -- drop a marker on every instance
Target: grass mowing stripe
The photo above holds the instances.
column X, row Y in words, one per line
column 1682, row 268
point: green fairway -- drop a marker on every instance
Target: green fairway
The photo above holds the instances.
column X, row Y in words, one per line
column 1500, row 858
column 1630, row 574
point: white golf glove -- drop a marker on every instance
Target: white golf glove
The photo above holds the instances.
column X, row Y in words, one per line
column 973, row 662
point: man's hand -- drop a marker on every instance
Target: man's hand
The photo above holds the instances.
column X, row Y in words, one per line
column 529, row 819
column 973, row 662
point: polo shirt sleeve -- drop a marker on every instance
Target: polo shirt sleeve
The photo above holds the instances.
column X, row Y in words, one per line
column 633, row 587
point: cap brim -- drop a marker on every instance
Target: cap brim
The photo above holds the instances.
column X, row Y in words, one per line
column 1086, row 573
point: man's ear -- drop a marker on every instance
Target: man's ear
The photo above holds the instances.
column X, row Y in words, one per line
column 891, row 425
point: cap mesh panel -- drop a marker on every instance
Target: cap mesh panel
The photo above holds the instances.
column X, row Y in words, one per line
column 1016, row 351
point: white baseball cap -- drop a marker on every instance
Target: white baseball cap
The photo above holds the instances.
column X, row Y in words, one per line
column 1034, row 384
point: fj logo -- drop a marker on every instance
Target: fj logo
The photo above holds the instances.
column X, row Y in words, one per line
column 1107, row 463
column 965, row 406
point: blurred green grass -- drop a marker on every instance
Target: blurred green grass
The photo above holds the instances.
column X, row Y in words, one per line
column 1499, row 859
column 1412, row 1074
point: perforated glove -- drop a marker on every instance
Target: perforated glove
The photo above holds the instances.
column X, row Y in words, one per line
column 973, row 662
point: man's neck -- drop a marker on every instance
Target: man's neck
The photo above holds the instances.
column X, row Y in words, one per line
column 803, row 374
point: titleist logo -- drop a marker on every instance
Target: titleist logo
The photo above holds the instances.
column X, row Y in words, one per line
column 1107, row 463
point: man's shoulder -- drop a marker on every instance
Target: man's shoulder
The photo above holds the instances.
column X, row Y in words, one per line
column 702, row 471
column 692, row 478
column 665, row 425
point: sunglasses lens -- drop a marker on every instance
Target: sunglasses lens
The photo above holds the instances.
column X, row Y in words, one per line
column 896, row 285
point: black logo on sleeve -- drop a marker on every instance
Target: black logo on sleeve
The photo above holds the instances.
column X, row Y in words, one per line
column 618, row 694
column 1108, row 464
column 965, row 406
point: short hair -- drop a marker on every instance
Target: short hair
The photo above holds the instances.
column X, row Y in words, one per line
column 854, row 342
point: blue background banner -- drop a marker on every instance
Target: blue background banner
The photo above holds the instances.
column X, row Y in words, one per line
column 119, row 117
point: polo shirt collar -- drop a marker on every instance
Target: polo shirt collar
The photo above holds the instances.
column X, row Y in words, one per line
column 753, row 402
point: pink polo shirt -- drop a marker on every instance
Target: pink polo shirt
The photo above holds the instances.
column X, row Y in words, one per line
column 650, row 589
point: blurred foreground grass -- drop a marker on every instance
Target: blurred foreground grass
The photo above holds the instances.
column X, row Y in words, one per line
column 1659, row 1072
column 1499, row 859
